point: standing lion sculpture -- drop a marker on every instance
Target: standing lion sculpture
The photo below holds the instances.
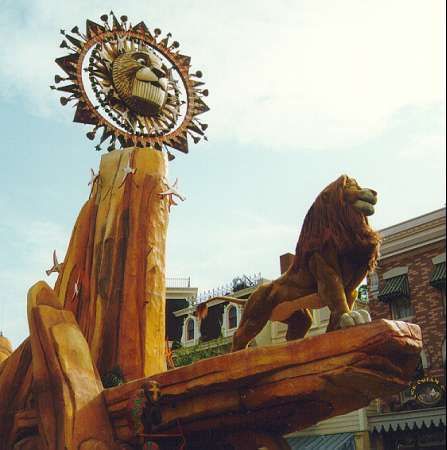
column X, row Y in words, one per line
column 335, row 251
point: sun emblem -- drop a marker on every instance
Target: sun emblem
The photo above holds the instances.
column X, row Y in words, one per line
column 132, row 86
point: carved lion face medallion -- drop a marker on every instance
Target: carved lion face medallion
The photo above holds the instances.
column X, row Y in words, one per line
column 140, row 79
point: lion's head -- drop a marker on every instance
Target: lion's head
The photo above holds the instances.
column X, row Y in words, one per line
column 140, row 79
column 338, row 218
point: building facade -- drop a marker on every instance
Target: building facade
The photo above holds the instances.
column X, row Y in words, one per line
column 200, row 337
column 198, row 327
column 409, row 285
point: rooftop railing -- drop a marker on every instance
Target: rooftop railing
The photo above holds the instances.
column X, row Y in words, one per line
column 178, row 282
column 238, row 284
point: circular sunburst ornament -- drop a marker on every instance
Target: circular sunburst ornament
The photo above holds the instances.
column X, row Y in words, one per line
column 132, row 86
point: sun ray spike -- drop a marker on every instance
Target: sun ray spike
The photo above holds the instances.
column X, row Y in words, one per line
column 193, row 127
column 142, row 28
column 70, row 88
column 116, row 25
column 166, row 40
column 75, row 30
column 200, row 106
column 105, row 21
column 93, row 28
column 76, row 42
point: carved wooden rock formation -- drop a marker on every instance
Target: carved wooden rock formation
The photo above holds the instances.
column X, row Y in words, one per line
column 113, row 276
column 280, row 389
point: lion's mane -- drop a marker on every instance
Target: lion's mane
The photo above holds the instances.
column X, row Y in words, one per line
column 333, row 222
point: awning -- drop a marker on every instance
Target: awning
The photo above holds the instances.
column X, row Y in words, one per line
column 394, row 288
column 413, row 420
column 437, row 279
column 340, row 441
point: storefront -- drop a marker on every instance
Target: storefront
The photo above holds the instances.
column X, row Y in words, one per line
column 421, row 429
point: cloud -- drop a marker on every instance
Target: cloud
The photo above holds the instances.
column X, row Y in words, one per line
column 286, row 75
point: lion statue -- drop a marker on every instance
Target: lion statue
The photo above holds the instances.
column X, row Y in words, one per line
column 335, row 251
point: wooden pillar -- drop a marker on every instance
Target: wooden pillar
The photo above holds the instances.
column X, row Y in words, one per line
column 113, row 276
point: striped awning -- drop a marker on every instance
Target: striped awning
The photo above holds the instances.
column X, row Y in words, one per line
column 413, row 420
column 437, row 279
column 340, row 441
column 394, row 288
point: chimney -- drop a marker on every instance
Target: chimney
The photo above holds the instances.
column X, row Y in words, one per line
column 285, row 261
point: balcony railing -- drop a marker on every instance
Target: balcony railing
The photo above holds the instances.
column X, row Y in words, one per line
column 178, row 282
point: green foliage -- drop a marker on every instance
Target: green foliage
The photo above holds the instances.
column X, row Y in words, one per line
column 113, row 378
column 187, row 355
column 362, row 295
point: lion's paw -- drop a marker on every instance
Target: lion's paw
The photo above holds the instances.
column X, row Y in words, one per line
column 358, row 317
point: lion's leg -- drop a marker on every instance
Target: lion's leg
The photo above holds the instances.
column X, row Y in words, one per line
column 298, row 324
column 333, row 321
column 247, row 330
column 330, row 287
column 257, row 312
column 332, row 293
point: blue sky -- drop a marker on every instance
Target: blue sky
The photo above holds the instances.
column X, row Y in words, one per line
column 300, row 92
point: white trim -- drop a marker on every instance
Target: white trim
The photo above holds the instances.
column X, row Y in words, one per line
column 410, row 223
column 189, row 342
column 230, row 331
column 395, row 272
column 414, row 247
column 438, row 259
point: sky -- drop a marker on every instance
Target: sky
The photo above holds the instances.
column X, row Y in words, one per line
column 301, row 91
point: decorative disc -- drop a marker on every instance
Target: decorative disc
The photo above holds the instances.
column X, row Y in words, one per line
column 132, row 86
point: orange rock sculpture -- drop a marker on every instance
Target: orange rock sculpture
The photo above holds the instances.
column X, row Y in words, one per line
column 113, row 276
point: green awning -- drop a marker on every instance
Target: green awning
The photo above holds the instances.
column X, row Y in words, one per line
column 394, row 288
column 437, row 279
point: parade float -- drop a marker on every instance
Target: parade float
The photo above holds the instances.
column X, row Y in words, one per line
column 92, row 375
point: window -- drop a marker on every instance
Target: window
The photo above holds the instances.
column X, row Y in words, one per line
column 401, row 309
column 232, row 317
column 190, row 330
